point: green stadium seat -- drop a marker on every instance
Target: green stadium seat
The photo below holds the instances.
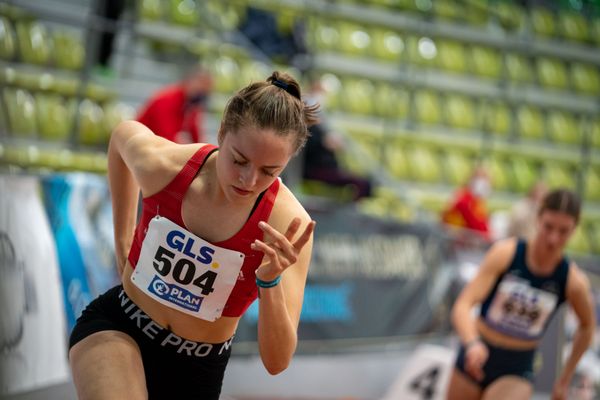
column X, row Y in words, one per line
column 452, row 56
column 387, row 44
column 7, row 40
column 422, row 6
column 518, row 68
column 595, row 133
column 458, row 167
column 115, row 112
column 422, row 50
column 427, row 107
column 448, row 9
column 476, row 12
column 55, row 117
column 496, row 118
column 91, row 127
column 354, row 39
column 4, row 127
column 424, row 164
column 286, row 19
column 367, row 143
column 595, row 29
column 324, row 35
column 69, row 52
column 510, row 15
column 543, row 21
column 20, row 106
column 586, row 78
column 184, row 12
column 396, row 161
column 334, row 90
column 573, row 26
column 226, row 73
column 525, row 174
column 391, row 101
column 592, row 184
column 557, row 174
column 230, row 14
column 486, row 61
column 35, row 42
column 254, row 71
column 530, row 122
column 500, row 173
column 341, row 194
column 579, row 242
column 151, row 10
column 562, row 127
column 460, row 112
column 359, row 96
column 552, row 73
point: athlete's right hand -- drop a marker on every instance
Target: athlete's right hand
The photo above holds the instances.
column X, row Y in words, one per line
column 476, row 355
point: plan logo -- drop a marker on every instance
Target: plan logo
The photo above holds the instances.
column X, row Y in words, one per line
column 175, row 294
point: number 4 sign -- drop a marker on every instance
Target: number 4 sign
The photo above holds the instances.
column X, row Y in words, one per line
column 425, row 376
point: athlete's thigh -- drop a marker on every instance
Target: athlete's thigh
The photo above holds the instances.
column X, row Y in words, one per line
column 509, row 387
column 462, row 387
column 108, row 365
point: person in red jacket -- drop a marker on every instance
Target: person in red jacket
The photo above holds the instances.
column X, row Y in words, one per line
column 468, row 208
column 175, row 112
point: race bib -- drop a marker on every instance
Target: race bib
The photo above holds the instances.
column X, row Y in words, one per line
column 521, row 309
column 185, row 272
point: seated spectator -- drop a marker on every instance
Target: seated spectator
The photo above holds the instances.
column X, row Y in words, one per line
column 523, row 214
column 176, row 112
column 320, row 160
column 468, row 207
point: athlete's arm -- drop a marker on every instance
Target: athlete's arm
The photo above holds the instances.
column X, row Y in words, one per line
column 494, row 263
column 287, row 254
column 136, row 160
column 580, row 298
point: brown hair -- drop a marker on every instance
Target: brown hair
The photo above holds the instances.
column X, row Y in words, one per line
column 272, row 104
column 562, row 200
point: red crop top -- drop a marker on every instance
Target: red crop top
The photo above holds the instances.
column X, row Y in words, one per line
column 167, row 203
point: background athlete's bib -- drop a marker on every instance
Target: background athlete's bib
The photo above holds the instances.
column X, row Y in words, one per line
column 184, row 271
column 520, row 309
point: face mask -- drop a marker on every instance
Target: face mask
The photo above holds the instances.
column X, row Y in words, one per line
column 481, row 187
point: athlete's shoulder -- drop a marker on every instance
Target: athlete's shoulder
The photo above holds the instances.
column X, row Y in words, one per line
column 577, row 278
column 502, row 246
column 500, row 254
column 287, row 206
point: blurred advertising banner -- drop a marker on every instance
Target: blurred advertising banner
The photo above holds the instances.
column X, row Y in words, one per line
column 369, row 278
column 80, row 213
column 33, row 349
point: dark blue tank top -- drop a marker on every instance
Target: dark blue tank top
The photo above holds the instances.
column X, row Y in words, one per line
column 522, row 304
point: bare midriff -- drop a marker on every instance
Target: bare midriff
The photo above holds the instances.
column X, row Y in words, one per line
column 502, row 340
column 179, row 323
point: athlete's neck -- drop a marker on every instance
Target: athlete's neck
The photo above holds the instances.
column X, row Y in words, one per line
column 541, row 260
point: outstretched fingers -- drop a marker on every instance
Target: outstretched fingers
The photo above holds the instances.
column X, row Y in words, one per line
column 305, row 237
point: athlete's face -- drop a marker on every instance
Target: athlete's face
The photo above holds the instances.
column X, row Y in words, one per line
column 250, row 160
column 554, row 229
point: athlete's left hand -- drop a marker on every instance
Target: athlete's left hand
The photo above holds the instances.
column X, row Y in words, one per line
column 280, row 252
column 561, row 389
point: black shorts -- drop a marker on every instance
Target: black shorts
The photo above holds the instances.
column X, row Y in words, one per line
column 501, row 362
column 174, row 367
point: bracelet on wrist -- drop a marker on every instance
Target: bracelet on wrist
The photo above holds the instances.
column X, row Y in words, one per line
column 471, row 343
column 268, row 284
